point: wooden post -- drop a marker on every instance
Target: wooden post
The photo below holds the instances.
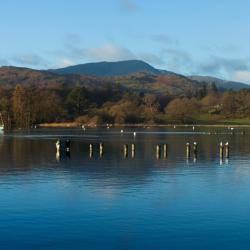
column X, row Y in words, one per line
column 158, row 151
column 67, row 149
column 227, row 150
column 221, row 150
column 58, row 146
column 195, row 150
column 58, row 150
column 90, row 150
column 133, row 150
column 125, row 150
column 101, row 150
column 165, row 151
column 187, row 150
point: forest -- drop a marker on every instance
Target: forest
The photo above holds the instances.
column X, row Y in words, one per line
column 28, row 106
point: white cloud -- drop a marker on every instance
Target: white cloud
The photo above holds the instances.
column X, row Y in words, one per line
column 108, row 52
column 242, row 76
column 63, row 62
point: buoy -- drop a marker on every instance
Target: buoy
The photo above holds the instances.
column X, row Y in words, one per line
column 122, row 131
column 134, row 134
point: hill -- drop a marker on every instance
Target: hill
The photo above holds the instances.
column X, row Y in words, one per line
column 130, row 75
column 109, row 69
column 138, row 82
column 221, row 84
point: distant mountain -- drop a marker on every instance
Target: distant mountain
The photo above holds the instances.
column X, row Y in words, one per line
column 138, row 82
column 109, row 69
column 130, row 75
column 221, row 84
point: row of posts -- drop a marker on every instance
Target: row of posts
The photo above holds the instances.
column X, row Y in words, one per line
column 160, row 150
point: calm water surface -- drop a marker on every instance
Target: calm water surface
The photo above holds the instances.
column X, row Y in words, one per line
column 115, row 203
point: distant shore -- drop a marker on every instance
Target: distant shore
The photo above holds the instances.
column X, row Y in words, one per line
column 77, row 125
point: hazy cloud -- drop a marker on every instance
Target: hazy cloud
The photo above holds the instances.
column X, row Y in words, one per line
column 177, row 60
column 242, row 76
column 3, row 62
column 108, row 52
column 63, row 62
column 223, row 66
column 72, row 38
column 128, row 5
column 151, row 58
column 164, row 39
column 29, row 60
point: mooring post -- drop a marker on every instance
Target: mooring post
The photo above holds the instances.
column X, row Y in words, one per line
column 227, row 150
column 58, row 146
column 188, row 150
column 165, row 151
column 158, row 151
column 125, row 150
column 58, row 150
column 195, row 150
column 221, row 150
column 133, row 150
column 90, row 150
column 101, row 149
column 67, row 146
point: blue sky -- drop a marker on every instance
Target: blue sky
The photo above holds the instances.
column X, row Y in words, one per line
column 186, row 36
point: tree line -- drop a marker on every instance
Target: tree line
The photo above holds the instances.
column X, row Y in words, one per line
column 28, row 106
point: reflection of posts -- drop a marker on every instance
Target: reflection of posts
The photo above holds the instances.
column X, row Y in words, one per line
column 57, row 156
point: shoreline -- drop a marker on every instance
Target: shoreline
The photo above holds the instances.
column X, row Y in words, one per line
column 77, row 125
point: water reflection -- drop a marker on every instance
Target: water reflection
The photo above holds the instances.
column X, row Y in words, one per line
column 116, row 195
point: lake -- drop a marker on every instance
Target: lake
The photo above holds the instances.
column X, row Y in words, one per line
column 117, row 202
